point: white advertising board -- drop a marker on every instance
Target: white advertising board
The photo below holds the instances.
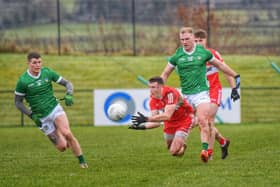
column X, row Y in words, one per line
column 137, row 100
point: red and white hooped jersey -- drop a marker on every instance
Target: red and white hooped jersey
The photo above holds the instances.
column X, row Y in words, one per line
column 183, row 113
column 213, row 72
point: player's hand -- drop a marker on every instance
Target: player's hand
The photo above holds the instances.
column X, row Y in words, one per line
column 68, row 100
column 237, row 81
column 36, row 119
column 137, row 120
column 234, row 94
column 137, row 127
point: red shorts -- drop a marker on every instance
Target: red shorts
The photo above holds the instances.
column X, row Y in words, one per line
column 185, row 125
column 215, row 95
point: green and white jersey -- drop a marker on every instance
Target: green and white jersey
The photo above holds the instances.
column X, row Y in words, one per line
column 38, row 91
column 192, row 68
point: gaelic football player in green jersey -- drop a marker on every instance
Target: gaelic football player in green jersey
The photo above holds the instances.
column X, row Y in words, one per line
column 190, row 60
column 35, row 86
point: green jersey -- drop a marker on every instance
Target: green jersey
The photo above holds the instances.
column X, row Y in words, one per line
column 192, row 68
column 38, row 91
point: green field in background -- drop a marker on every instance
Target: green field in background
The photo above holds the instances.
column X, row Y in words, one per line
column 89, row 71
column 101, row 72
column 118, row 156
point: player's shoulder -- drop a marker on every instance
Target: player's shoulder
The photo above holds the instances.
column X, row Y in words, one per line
column 46, row 69
column 169, row 89
column 200, row 47
column 215, row 53
column 178, row 53
column 23, row 76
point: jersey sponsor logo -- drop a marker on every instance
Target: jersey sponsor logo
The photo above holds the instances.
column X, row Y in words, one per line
column 190, row 58
column 199, row 58
column 30, row 85
column 182, row 59
column 37, row 83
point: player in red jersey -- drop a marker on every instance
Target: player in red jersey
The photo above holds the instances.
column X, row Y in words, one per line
column 215, row 93
column 168, row 106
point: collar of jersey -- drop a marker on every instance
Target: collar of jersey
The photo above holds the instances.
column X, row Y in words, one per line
column 35, row 77
column 189, row 53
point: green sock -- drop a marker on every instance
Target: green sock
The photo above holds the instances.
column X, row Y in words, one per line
column 81, row 159
column 205, row 146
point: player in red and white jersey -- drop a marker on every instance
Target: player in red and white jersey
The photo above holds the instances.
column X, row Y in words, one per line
column 168, row 106
column 215, row 93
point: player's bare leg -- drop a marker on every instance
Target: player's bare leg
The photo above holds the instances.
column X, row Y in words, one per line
column 202, row 112
column 62, row 125
column 213, row 130
column 178, row 146
column 58, row 140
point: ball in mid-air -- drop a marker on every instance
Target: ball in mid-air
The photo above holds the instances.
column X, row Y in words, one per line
column 117, row 111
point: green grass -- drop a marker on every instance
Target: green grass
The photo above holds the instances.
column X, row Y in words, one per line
column 95, row 72
column 121, row 157
column 88, row 72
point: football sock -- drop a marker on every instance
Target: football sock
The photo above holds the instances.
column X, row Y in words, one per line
column 81, row 159
column 222, row 142
column 210, row 151
column 204, row 146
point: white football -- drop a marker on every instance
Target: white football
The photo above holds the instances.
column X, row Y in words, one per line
column 117, row 111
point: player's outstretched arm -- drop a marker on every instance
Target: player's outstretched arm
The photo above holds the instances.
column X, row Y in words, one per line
column 68, row 85
column 224, row 68
column 69, row 91
column 19, row 104
column 166, row 72
column 140, row 122
column 234, row 83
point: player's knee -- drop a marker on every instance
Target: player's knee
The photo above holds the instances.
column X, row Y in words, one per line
column 61, row 146
column 202, row 122
column 173, row 152
column 177, row 152
column 69, row 136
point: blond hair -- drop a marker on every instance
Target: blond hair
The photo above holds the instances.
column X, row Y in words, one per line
column 184, row 30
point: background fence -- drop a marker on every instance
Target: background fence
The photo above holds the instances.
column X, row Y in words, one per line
column 255, row 107
column 137, row 27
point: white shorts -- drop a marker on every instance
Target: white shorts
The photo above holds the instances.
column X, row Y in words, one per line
column 48, row 121
column 197, row 99
column 182, row 134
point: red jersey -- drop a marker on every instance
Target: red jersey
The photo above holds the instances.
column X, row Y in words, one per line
column 213, row 72
column 215, row 90
column 183, row 113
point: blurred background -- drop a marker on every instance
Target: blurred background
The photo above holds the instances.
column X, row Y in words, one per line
column 137, row 27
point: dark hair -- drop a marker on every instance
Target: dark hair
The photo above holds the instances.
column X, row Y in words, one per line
column 33, row 55
column 157, row 79
column 200, row 33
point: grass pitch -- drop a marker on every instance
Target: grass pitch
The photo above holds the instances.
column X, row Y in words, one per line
column 118, row 156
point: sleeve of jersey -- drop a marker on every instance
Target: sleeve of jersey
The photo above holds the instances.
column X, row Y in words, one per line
column 54, row 76
column 20, row 88
column 173, row 59
column 210, row 56
column 218, row 56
